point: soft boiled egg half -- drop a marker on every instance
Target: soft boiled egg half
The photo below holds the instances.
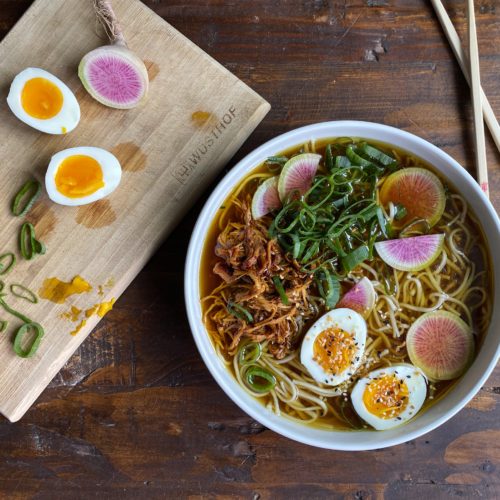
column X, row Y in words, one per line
column 389, row 396
column 333, row 347
column 44, row 102
column 78, row 176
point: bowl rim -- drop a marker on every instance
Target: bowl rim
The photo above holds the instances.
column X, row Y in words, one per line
column 224, row 379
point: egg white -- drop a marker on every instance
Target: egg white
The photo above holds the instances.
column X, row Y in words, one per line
column 346, row 319
column 111, row 170
column 417, row 391
column 67, row 118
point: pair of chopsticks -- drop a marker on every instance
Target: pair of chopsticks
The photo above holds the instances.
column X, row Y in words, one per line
column 470, row 68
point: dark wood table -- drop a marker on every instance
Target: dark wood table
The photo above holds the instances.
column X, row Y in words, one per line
column 135, row 413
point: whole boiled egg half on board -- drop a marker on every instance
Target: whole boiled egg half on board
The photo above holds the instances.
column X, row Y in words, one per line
column 78, row 176
column 43, row 102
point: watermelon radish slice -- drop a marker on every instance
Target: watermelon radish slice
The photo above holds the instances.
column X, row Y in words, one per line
column 113, row 74
column 297, row 175
column 266, row 198
column 419, row 191
column 440, row 344
column 360, row 298
column 411, row 254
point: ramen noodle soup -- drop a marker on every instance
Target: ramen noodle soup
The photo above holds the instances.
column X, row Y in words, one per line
column 345, row 284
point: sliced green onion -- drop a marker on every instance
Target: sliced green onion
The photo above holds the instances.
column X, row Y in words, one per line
column 259, row 379
column 280, row 160
column 329, row 288
column 355, row 158
column 31, row 191
column 3, row 325
column 26, row 238
column 5, row 268
column 384, row 224
column 249, row 353
column 356, row 257
column 401, row 212
column 239, row 312
column 35, row 342
column 39, row 247
column 388, row 281
column 15, row 313
column 377, row 155
column 28, row 243
column 281, row 290
column 23, row 293
column 342, row 162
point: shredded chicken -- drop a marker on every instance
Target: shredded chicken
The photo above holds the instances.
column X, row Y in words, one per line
column 249, row 260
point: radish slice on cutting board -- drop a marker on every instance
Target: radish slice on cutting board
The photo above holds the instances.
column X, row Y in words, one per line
column 113, row 74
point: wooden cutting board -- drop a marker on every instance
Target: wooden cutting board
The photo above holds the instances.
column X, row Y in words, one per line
column 197, row 115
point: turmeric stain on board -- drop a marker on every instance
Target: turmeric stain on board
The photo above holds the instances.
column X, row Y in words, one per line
column 96, row 215
column 201, row 118
column 101, row 309
column 58, row 291
column 131, row 157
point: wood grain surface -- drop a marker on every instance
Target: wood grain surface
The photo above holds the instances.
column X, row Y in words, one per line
column 134, row 413
column 170, row 148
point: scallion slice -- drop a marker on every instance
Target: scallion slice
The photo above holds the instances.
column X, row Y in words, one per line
column 31, row 191
column 249, row 353
column 3, row 325
column 356, row 257
column 15, row 313
column 35, row 342
column 329, row 287
column 239, row 312
column 259, row 379
column 28, row 243
column 281, row 290
column 342, row 162
column 377, row 155
column 5, row 268
column 329, row 158
column 23, row 293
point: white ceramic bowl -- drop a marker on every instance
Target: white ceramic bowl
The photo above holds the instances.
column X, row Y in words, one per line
column 439, row 413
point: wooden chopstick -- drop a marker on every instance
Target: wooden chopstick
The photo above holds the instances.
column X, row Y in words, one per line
column 454, row 41
column 479, row 142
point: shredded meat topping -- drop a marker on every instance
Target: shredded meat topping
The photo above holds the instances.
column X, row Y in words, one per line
column 248, row 260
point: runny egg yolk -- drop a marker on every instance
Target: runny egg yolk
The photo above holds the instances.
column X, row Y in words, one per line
column 386, row 397
column 41, row 99
column 79, row 176
column 334, row 350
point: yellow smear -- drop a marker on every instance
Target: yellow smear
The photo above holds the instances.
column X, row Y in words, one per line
column 64, row 130
column 73, row 314
column 79, row 327
column 90, row 312
column 105, row 307
column 58, row 291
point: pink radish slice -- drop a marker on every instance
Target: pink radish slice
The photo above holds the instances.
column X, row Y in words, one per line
column 298, row 174
column 440, row 344
column 360, row 298
column 113, row 74
column 266, row 198
column 411, row 254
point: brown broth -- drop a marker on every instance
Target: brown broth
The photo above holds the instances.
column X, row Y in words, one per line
column 209, row 281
